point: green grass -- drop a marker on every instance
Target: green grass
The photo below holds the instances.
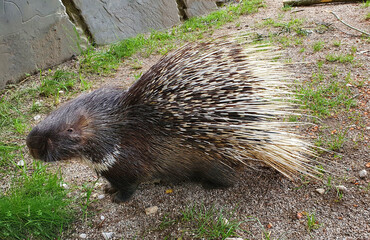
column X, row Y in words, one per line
column 336, row 141
column 342, row 58
column 293, row 25
column 312, row 222
column 367, row 16
column 59, row 81
column 209, row 223
column 35, row 207
column 325, row 97
column 318, row 46
column 287, row 8
column 265, row 234
column 366, row 4
column 8, row 153
column 203, row 222
column 13, row 114
column 98, row 62
column 86, row 199
column 337, row 43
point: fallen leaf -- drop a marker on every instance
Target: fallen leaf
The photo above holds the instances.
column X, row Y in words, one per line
column 168, row 191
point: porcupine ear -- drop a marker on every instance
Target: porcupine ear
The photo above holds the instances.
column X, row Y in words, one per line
column 80, row 127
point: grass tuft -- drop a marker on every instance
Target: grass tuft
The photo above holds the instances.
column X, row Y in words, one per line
column 318, row 46
column 35, row 207
column 322, row 98
column 59, row 81
column 347, row 58
column 203, row 222
column 209, row 223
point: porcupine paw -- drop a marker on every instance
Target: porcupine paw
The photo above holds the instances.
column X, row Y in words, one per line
column 109, row 189
column 120, row 196
column 124, row 192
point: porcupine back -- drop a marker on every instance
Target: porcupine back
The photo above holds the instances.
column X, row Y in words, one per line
column 225, row 101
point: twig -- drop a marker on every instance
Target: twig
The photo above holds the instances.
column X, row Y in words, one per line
column 355, row 96
column 299, row 10
column 368, row 34
column 295, row 3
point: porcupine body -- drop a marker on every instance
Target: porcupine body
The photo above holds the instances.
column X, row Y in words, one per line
column 200, row 113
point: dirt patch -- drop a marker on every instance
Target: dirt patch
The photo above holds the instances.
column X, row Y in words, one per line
column 262, row 200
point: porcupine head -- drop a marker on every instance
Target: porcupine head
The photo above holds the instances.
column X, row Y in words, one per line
column 198, row 114
column 89, row 128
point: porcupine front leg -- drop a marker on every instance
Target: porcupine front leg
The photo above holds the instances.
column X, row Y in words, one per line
column 124, row 194
column 121, row 191
column 121, row 187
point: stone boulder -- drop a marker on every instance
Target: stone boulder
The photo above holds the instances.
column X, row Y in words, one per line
column 33, row 35
column 110, row 21
column 195, row 8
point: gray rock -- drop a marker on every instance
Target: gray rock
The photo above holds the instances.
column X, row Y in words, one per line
column 111, row 21
column 151, row 210
column 83, row 236
column 320, row 190
column 101, row 196
column 342, row 188
column 362, row 173
column 107, row 235
column 33, row 35
column 194, row 8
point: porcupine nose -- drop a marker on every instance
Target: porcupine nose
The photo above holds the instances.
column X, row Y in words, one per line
column 36, row 144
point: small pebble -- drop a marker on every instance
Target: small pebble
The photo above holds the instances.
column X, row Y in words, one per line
column 64, row 185
column 320, row 190
column 83, row 235
column 61, row 92
column 37, row 117
column 101, row 196
column 20, row 163
column 107, row 235
column 225, row 221
column 362, row 173
column 233, row 238
column 102, row 217
column 151, row 210
column 342, row 188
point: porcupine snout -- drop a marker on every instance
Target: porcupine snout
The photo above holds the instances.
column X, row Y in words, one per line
column 37, row 144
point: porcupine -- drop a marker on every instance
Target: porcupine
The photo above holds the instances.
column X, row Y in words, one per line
column 199, row 114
